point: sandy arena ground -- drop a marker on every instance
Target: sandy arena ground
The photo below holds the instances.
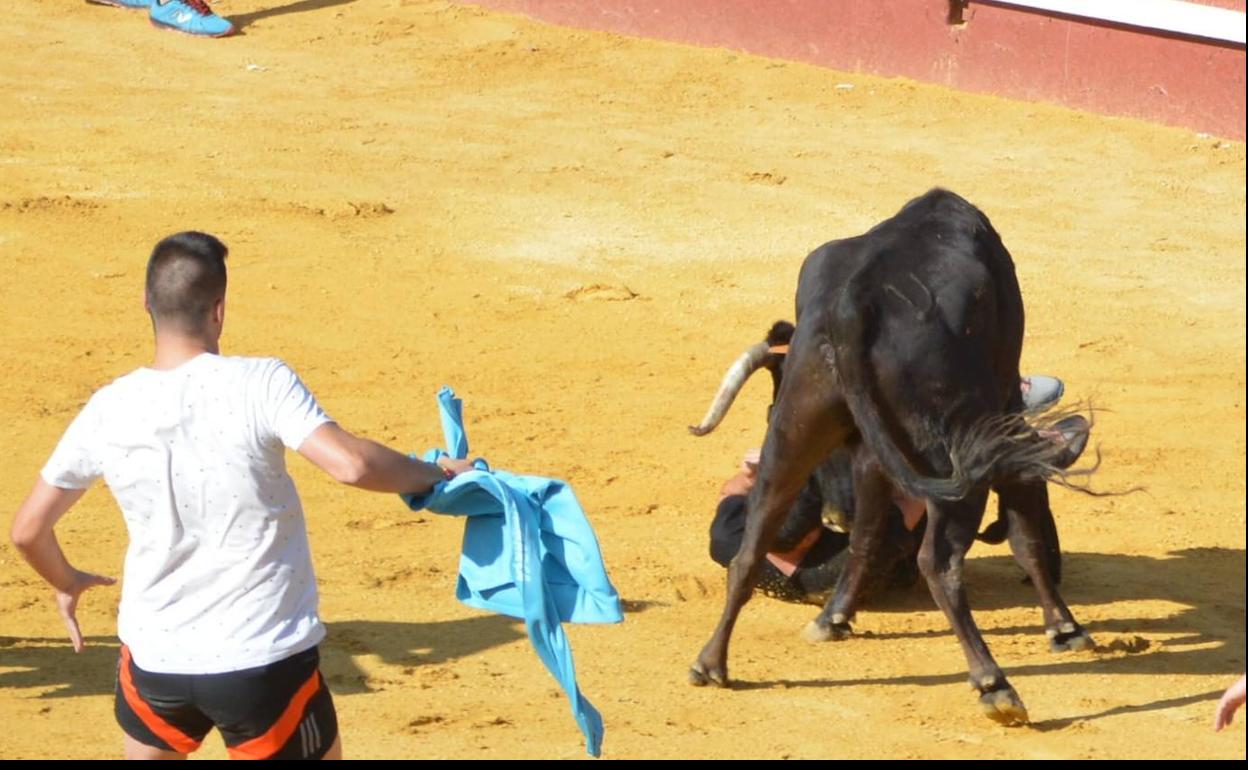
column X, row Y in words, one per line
column 579, row 232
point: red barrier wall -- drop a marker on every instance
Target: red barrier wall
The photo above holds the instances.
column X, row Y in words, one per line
column 1001, row 50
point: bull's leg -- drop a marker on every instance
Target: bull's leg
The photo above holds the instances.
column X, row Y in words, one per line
column 951, row 529
column 810, row 419
column 1033, row 540
column 872, row 499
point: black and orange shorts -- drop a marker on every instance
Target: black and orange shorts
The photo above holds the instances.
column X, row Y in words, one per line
column 279, row 711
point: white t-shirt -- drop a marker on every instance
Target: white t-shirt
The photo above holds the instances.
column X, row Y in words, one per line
column 218, row 574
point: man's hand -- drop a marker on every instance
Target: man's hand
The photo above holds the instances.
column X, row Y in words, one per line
column 67, row 602
column 749, row 463
column 1232, row 699
column 455, row 467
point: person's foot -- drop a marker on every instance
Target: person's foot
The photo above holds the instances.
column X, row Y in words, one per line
column 1072, row 433
column 131, row 4
column 1040, row 392
column 192, row 17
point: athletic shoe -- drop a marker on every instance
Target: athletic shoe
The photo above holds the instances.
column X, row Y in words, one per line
column 1040, row 392
column 131, row 4
column 1072, row 433
column 193, row 17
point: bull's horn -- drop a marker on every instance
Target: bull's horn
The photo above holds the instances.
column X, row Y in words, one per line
column 734, row 380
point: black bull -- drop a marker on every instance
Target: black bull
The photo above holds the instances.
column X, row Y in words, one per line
column 906, row 354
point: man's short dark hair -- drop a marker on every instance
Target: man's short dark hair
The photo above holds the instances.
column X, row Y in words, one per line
column 185, row 277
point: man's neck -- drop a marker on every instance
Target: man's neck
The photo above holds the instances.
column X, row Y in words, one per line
column 173, row 350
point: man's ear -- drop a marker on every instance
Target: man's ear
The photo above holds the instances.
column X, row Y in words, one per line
column 218, row 311
column 147, row 305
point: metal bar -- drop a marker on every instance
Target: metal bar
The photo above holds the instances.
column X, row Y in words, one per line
column 1168, row 15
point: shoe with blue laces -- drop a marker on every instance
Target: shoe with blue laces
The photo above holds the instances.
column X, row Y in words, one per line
column 193, row 17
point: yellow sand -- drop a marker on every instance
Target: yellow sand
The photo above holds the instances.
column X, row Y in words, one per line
column 578, row 232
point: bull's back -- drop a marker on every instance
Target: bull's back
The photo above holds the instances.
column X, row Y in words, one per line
column 939, row 233
column 927, row 305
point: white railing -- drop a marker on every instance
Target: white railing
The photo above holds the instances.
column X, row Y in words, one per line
column 1169, row 15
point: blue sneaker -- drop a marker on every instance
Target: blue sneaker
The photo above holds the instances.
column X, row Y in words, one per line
column 193, row 17
column 131, row 4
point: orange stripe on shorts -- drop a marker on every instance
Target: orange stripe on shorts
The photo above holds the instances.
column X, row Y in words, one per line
column 177, row 740
column 265, row 746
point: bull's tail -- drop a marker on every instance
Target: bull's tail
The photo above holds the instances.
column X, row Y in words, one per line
column 769, row 354
column 855, row 327
column 1036, row 447
column 995, row 448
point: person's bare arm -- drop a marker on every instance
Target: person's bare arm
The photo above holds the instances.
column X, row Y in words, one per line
column 364, row 463
column 743, row 482
column 34, row 537
column 1231, row 702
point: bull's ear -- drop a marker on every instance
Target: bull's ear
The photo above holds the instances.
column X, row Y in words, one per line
column 1073, row 432
column 781, row 333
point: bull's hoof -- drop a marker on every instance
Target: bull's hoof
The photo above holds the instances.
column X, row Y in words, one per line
column 820, row 631
column 1004, row 707
column 701, row 675
column 1069, row 637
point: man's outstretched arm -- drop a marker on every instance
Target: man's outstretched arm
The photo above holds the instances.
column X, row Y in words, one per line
column 364, row 463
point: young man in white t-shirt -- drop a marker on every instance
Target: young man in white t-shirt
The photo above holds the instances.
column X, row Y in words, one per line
column 218, row 618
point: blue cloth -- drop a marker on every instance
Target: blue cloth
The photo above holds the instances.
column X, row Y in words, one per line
column 528, row 552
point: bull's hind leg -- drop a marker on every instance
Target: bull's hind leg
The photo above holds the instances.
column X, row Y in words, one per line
column 872, row 498
column 950, row 531
column 1033, row 538
column 809, row 420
